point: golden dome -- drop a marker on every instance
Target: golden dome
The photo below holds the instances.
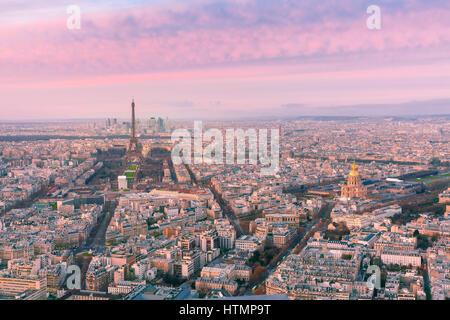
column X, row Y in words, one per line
column 354, row 172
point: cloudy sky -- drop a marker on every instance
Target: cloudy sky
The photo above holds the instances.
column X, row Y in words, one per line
column 219, row 59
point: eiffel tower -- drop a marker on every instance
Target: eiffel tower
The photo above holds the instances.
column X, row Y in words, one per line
column 134, row 152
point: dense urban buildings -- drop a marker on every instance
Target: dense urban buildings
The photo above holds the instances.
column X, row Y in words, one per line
column 139, row 226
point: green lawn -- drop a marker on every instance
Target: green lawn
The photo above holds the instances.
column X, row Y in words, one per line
column 129, row 174
column 434, row 182
column 432, row 178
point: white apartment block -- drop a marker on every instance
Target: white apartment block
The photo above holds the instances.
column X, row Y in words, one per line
column 402, row 258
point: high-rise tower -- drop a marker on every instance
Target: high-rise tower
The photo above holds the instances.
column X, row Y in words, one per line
column 134, row 151
column 134, row 145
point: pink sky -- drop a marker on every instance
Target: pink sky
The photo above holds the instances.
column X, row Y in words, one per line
column 218, row 58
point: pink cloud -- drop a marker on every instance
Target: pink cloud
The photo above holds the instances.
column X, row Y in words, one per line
column 144, row 40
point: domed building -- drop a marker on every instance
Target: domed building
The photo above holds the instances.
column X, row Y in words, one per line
column 354, row 187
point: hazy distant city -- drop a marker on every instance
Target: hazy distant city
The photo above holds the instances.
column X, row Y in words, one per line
column 224, row 150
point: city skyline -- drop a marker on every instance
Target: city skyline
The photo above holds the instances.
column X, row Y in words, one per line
column 224, row 59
